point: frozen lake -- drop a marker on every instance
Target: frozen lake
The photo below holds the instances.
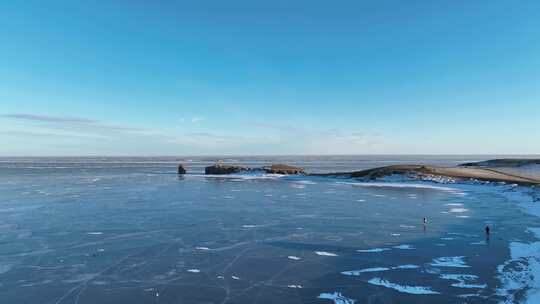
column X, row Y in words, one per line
column 132, row 231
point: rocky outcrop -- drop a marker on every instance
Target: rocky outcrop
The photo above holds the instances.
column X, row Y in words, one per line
column 283, row 169
column 181, row 169
column 224, row 169
column 220, row 168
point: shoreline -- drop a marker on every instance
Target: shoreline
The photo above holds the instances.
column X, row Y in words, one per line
column 430, row 172
column 487, row 171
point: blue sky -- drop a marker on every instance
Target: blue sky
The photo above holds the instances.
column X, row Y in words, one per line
column 269, row 77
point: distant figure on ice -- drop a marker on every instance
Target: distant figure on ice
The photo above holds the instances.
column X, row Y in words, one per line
column 487, row 231
column 425, row 220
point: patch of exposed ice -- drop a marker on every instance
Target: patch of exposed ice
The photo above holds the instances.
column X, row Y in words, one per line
column 95, row 233
column 294, row 286
column 235, row 278
column 454, row 204
column 456, row 261
column 249, row 226
column 360, row 200
column 292, row 257
column 337, row 297
column 202, row 248
column 325, row 253
column 402, row 288
column 395, row 234
column 193, row 270
column 5, row 268
column 373, row 250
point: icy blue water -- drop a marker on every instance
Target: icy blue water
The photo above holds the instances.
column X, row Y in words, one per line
column 129, row 230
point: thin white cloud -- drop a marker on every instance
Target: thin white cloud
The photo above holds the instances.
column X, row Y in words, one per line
column 59, row 122
column 197, row 119
column 48, row 118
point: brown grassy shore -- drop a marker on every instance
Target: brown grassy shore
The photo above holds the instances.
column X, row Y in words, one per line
column 430, row 172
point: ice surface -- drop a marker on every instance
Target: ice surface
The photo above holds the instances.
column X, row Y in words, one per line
column 156, row 227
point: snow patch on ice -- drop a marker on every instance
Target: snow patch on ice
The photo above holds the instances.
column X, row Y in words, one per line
column 358, row 272
column 397, row 185
column 403, row 288
column 378, row 269
column 325, row 253
column 404, row 247
column 522, row 272
column 458, row 210
column 456, row 261
column 373, row 250
column 463, row 280
column 337, row 297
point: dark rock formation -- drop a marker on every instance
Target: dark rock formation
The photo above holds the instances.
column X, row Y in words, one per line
column 181, row 169
column 224, row 169
column 283, row 169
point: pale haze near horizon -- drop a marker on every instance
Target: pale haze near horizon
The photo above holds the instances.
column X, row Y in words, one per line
column 246, row 77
